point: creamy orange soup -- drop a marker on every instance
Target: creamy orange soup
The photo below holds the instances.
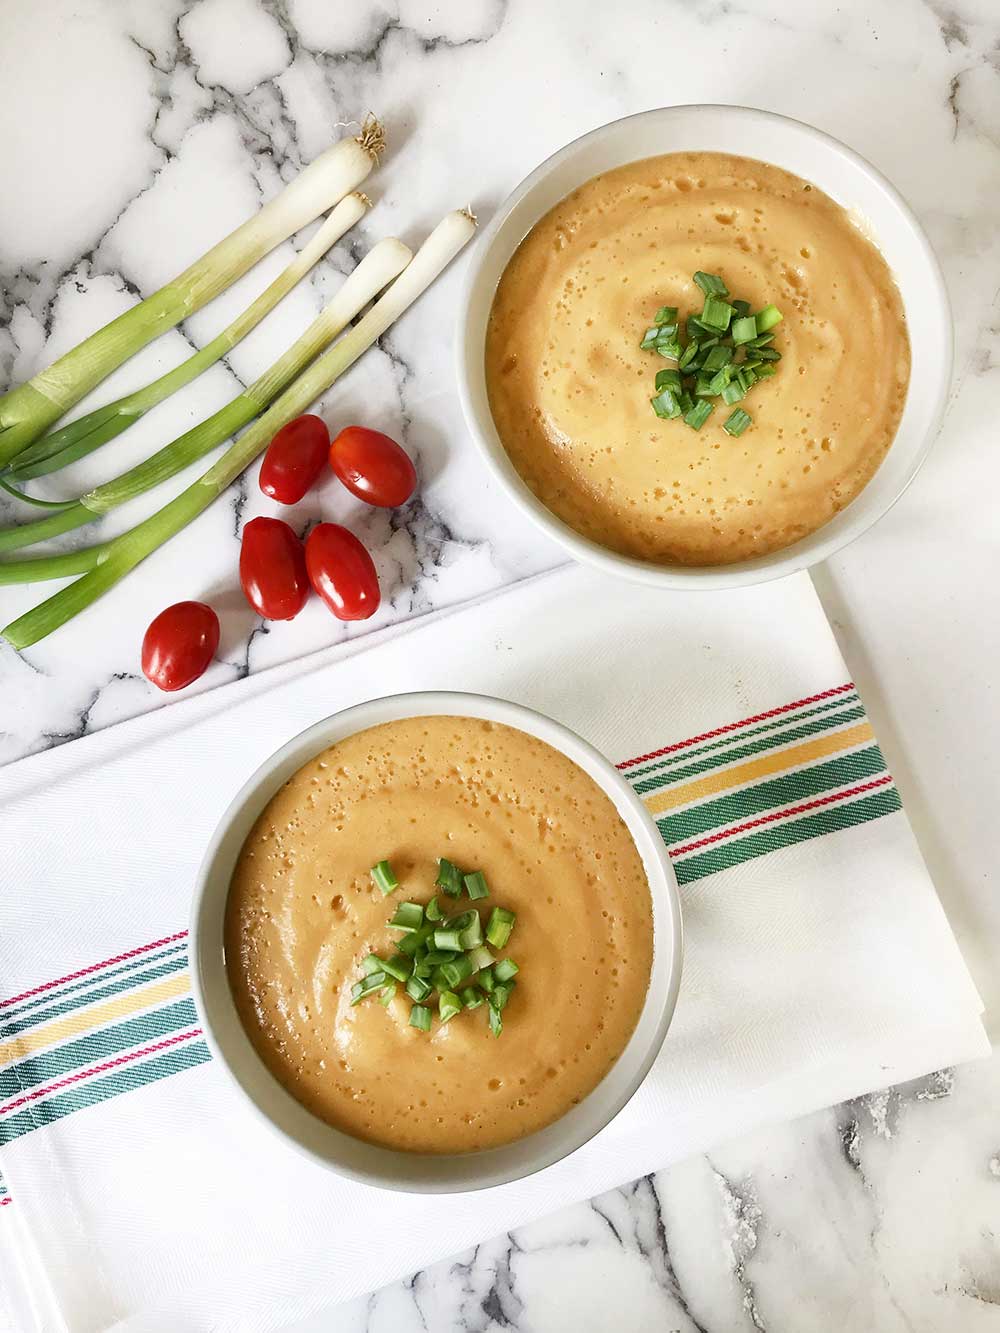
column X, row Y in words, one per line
column 303, row 912
column 569, row 387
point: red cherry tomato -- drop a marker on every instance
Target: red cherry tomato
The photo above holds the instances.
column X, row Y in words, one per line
column 179, row 644
column 273, row 569
column 294, row 459
column 342, row 572
column 373, row 467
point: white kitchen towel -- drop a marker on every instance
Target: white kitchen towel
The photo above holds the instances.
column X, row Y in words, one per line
column 138, row 1191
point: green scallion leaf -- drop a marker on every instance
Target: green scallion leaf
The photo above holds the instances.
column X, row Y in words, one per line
column 740, row 308
column 762, row 339
column 716, row 314
column 737, row 423
column 687, row 356
column 667, row 314
column 744, row 330
column 498, row 930
column 668, row 379
column 433, row 911
column 506, row 969
column 417, row 988
column 472, row 934
column 699, row 413
column 413, row 942
column 475, row 885
column 669, row 348
column 472, row 997
column 486, row 979
column 718, row 356
column 649, row 339
column 711, row 284
column 398, row 967
column 450, row 975
column 480, row 957
column 420, row 1017
column 387, row 995
column 768, row 354
column 765, row 372
column 362, row 989
column 501, row 994
column 449, row 878
column 448, row 1005
column 372, row 964
column 732, row 393
column 665, row 405
column 719, row 380
column 408, row 917
column 767, row 318
column 384, row 877
column 448, row 939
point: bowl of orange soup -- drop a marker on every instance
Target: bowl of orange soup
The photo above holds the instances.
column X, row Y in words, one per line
column 436, row 942
column 704, row 346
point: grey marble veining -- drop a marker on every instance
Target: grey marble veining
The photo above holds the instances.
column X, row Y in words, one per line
column 138, row 133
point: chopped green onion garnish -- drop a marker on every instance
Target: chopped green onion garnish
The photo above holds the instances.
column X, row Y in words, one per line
column 505, row 969
column 718, row 356
column 384, row 877
column 435, row 957
column 399, row 967
column 716, row 314
column 768, row 354
column 668, row 379
column 669, row 348
column 475, row 885
column 767, row 318
column 486, row 980
column 448, row 1005
column 415, row 940
column 740, row 309
column 420, row 1017
column 418, row 989
column 719, row 380
column 765, row 372
column 496, row 1022
column 500, row 925
column 472, row 997
column 501, row 994
column 387, row 995
column 667, row 314
column 449, row 878
column 372, row 964
column 665, row 405
column 711, row 284
column 737, row 423
column 689, row 354
column 450, row 975
column 732, row 393
column 696, row 417
column 433, row 911
column 373, row 982
column 448, row 939
column 408, row 917
column 744, row 330
column 423, row 967
column 472, row 934
column 649, row 339
column 762, row 339
column 480, row 957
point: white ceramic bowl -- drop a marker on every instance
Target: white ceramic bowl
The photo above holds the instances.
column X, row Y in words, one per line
column 842, row 174
column 425, row 1172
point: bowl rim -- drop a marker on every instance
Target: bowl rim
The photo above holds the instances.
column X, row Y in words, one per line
column 207, row 972
column 691, row 578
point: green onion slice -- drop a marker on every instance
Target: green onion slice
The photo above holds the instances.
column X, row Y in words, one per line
column 398, row 967
column 486, row 979
column 711, row 284
column 741, row 309
column 372, row 964
column 506, row 969
column 384, row 877
column 472, row 997
column 408, row 917
column 499, row 928
column 448, row 1005
column 744, row 330
column 480, row 957
column 420, row 1017
column 737, row 423
column 699, row 414
column 669, row 379
column 417, row 988
column 649, row 339
column 665, row 405
column 475, row 885
column 767, row 318
column 501, row 994
column 732, row 393
column 433, row 911
column 667, row 314
column 362, row 989
column 496, row 1022
column 718, row 356
column 449, row 878
column 716, row 314
column 387, row 995
column 448, row 939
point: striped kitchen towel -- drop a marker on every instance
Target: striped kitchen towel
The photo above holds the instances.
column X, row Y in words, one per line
column 137, row 1191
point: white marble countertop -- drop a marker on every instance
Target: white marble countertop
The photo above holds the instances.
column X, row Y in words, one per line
column 139, row 133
